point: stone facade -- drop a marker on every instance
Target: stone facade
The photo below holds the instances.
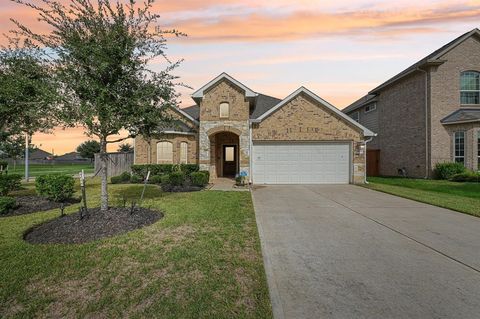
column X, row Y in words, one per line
column 303, row 119
column 146, row 153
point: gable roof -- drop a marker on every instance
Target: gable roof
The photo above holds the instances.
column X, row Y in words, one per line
column 263, row 103
column 364, row 100
column 193, row 111
column 366, row 131
column 431, row 59
column 198, row 94
column 185, row 114
column 462, row 116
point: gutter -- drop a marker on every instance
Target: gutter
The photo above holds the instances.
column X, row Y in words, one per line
column 365, row 158
column 426, row 122
column 250, row 147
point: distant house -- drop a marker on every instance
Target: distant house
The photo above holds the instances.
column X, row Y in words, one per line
column 39, row 155
column 71, row 158
column 426, row 114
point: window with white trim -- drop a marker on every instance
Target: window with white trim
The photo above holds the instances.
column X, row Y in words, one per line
column 164, row 153
column 356, row 116
column 183, row 153
column 459, row 147
column 470, row 88
column 224, row 110
column 370, row 107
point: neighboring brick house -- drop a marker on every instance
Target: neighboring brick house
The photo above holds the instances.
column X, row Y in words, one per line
column 427, row 114
column 232, row 129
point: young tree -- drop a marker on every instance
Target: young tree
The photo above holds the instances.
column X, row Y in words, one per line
column 13, row 147
column 101, row 50
column 125, row 148
column 88, row 149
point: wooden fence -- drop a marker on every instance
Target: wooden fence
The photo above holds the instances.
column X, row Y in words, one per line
column 117, row 163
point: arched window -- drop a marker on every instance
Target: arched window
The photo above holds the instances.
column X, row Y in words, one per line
column 183, row 153
column 224, row 110
column 164, row 153
column 470, row 88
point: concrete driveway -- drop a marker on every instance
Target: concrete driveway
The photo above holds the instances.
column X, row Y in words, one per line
column 343, row 251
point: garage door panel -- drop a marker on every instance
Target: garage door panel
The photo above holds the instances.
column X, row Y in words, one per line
column 301, row 163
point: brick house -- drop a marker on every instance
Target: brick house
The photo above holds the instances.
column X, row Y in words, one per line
column 426, row 114
column 233, row 129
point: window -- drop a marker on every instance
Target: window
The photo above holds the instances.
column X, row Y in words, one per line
column 183, row 153
column 164, row 153
column 470, row 88
column 224, row 109
column 371, row 107
column 478, row 150
column 459, row 151
column 229, row 153
column 356, row 116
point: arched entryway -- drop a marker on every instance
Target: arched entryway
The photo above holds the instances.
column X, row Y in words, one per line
column 224, row 153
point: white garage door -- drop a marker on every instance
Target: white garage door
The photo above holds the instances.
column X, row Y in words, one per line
column 301, row 163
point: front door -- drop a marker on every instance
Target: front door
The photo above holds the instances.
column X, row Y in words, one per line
column 229, row 160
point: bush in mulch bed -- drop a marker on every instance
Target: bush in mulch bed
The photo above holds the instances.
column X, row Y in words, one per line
column 71, row 229
column 32, row 204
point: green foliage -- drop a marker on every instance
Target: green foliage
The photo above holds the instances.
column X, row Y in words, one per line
column 162, row 169
column 3, row 165
column 447, row 170
column 177, row 178
column 12, row 146
column 88, row 149
column 200, row 178
column 56, row 187
column 473, row 177
column 125, row 148
column 121, row 179
column 240, row 180
column 136, row 179
column 9, row 182
column 155, row 179
column 6, row 204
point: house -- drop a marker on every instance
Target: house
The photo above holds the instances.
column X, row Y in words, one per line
column 232, row 129
column 39, row 155
column 426, row 114
column 71, row 158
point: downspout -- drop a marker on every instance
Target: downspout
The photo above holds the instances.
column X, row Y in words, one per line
column 426, row 123
column 365, row 158
column 250, row 149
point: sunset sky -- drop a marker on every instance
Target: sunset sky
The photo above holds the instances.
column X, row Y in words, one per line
column 338, row 49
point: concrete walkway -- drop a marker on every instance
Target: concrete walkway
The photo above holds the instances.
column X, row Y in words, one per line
column 226, row 184
column 349, row 252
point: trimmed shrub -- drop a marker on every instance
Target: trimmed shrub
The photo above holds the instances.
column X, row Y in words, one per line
column 162, row 169
column 199, row 178
column 188, row 169
column 6, row 204
column 155, row 179
column 177, row 178
column 122, row 178
column 9, row 182
column 447, row 170
column 466, row 177
column 136, row 179
column 56, row 187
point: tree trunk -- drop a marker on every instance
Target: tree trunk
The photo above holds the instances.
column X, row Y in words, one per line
column 103, row 173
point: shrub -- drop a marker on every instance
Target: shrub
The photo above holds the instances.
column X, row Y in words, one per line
column 447, row 170
column 3, row 165
column 199, row 178
column 155, row 179
column 6, row 204
column 177, row 178
column 56, row 187
column 188, row 169
column 9, row 182
column 136, row 179
column 122, row 178
column 162, row 169
column 466, row 177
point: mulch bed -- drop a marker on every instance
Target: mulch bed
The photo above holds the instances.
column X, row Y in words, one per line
column 97, row 224
column 32, row 204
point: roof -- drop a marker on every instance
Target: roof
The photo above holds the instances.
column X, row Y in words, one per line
column 433, row 58
column 462, row 116
column 198, row 94
column 366, row 131
column 177, row 126
column 360, row 102
column 39, row 154
column 193, row 111
column 263, row 103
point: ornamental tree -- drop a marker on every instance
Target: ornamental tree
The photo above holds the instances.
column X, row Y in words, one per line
column 88, row 149
column 100, row 51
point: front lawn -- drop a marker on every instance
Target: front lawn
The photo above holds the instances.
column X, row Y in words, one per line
column 41, row 169
column 462, row 197
column 202, row 260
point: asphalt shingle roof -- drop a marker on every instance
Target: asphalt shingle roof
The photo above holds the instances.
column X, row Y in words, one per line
column 263, row 103
column 193, row 111
column 462, row 115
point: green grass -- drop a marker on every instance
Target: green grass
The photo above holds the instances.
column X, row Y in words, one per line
column 40, row 169
column 202, row 260
column 462, row 197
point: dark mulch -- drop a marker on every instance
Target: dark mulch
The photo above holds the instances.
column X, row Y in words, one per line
column 32, row 204
column 97, row 224
column 182, row 189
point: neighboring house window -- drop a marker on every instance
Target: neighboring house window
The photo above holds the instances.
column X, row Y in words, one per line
column 356, row 116
column 164, row 153
column 470, row 88
column 371, row 107
column 459, row 151
column 183, row 153
column 478, row 150
column 224, row 110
